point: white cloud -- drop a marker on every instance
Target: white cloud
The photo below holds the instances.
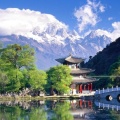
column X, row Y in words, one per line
column 116, row 32
column 24, row 22
column 113, row 34
column 102, row 8
column 101, row 32
column 87, row 15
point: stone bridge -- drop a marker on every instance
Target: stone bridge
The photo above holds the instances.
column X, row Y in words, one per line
column 109, row 93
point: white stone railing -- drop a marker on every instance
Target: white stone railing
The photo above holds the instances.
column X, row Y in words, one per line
column 107, row 90
column 108, row 106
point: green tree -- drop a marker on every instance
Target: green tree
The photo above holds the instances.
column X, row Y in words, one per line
column 18, row 63
column 18, row 56
column 115, row 73
column 37, row 79
column 15, row 76
column 59, row 79
column 3, row 81
column 115, row 76
column 25, row 80
column 13, row 60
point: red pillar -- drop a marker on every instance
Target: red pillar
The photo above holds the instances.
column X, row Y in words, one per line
column 80, row 103
column 90, row 104
column 91, row 86
column 80, row 88
column 88, row 87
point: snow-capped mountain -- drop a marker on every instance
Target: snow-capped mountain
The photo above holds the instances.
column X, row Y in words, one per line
column 49, row 37
column 47, row 49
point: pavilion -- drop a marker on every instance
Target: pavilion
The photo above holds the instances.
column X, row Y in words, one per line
column 80, row 82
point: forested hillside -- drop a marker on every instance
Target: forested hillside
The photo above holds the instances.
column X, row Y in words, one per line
column 103, row 60
column 107, row 66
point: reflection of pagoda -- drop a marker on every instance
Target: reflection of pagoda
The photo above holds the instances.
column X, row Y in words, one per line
column 80, row 109
column 81, row 83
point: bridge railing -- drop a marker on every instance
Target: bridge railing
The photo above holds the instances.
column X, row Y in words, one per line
column 107, row 90
column 103, row 105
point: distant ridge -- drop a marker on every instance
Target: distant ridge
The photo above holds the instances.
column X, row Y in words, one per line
column 48, row 50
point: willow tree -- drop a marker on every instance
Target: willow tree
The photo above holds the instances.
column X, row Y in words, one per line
column 59, row 79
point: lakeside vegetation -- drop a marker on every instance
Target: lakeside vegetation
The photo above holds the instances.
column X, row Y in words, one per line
column 18, row 71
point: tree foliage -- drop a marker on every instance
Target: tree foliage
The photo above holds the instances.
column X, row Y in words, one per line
column 15, row 76
column 18, row 56
column 3, row 81
column 17, row 67
column 37, row 79
column 59, row 78
column 115, row 76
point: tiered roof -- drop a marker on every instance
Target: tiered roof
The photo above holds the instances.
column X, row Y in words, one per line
column 70, row 59
column 76, row 72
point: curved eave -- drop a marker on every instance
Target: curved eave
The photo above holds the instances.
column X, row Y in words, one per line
column 70, row 59
column 81, row 71
column 61, row 60
column 84, row 80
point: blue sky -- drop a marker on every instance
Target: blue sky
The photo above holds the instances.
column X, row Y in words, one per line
column 104, row 12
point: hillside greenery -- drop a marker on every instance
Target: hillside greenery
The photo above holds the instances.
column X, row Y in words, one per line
column 107, row 65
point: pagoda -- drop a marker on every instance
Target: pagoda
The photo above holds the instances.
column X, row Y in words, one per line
column 80, row 82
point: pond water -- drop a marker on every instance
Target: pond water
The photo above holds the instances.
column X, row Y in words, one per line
column 77, row 109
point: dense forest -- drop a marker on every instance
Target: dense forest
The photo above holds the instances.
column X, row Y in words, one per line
column 107, row 63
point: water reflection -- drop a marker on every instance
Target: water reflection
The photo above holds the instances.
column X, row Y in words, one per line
column 113, row 105
column 60, row 110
